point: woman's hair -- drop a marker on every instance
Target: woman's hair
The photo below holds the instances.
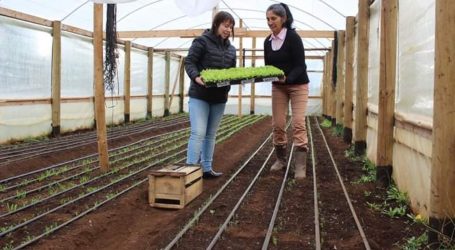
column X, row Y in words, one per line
column 220, row 18
column 282, row 10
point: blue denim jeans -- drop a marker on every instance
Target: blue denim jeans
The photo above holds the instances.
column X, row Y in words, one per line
column 205, row 119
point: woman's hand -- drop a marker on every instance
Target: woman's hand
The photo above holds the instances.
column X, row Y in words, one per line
column 199, row 81
column 281, row 80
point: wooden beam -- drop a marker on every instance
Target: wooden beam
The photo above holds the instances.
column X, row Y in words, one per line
column 340, row 78
column 349, row 79
column 360, row 126
column 100, row 113
column 239, row 104
column 182, row 85
column 239, row 32
column 167, row 79
column 127, row 82
column 56, row 76
column 149, row 82
column 442, row 200
column 24, row 17
column 253, row 84
column 387, row 81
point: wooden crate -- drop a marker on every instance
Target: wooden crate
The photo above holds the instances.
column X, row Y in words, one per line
column 175, row 185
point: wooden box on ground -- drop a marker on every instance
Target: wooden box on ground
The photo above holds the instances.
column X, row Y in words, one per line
column 174, row 186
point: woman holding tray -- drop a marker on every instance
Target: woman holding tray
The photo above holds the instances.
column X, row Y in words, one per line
column 211, row 50
column 284, row 50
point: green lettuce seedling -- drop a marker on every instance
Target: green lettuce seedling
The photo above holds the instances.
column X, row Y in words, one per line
column 213, row 76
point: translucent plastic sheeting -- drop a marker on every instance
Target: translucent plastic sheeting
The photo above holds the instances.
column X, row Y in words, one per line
column 414, row 92
column 138, row 109
column 76, row 66
column 114, row 111
column 158, row 74
column 372, row 137
column 76, row 116
column 25, row 61
column 35, row 120
column 373, row 53
column 159, row 14
column 139, row 64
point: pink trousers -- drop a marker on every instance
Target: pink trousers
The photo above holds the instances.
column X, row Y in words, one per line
column 297, row 94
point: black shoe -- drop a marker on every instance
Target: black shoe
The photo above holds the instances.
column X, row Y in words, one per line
column 211, row 174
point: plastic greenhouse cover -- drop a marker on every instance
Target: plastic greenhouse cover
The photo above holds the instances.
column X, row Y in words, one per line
column 416, row 32
column 170, row 14
column 373, row 53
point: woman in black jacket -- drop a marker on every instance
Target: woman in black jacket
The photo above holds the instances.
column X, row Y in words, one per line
column 206, row 106
column 284, row 49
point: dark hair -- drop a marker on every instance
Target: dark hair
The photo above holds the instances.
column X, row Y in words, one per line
column 282, row 10
column 220, row 18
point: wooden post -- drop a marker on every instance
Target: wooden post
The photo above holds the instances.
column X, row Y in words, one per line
column 324, row 87
column 241, row 65
column 253, row 85
column 331, row 90
column 387, row 80
column 340, row 78
column 149, row 82
column 167, row 79
column 442, row 200
column 174, row 86
column 56, row 76
column 182, row 86
column 360, row 131
column 127, row 82
column 349, row 79
column 100, row 113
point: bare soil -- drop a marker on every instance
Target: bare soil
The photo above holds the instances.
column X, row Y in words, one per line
column 130, row 223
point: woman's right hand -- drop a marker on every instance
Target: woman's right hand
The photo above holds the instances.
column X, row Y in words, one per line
column 199, row 81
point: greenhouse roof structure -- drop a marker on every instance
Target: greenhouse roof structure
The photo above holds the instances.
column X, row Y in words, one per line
column 160, row 15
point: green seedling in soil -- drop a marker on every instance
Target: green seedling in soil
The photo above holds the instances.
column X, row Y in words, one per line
column 110, row 196
column 393, row 194
column 370, row 175
column 326, row 123
column 274, row 240
column 91, row 189
column 21, row 194
column 49, row 228
column 366, row 193
column 290, row 184
column 418, row 219
column 337, row 130
column 2, row 188
column 394, row 212
column 8, row 246
column 10, row 207
column 84, row 179
column 415, row 243
column 351, row 155
column 374, row 206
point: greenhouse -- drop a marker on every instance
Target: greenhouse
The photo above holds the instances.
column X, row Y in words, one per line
column 342, row 138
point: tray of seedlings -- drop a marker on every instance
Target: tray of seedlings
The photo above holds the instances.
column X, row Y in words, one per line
column 224, row 77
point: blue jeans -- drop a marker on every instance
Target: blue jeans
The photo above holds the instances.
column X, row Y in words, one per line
column 205, row 119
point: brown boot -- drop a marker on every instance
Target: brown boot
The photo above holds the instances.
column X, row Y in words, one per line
column 300, row 163
column 280, row 163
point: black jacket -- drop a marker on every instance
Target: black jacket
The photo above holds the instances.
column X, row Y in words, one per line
column 209, row 52
column 290, row 58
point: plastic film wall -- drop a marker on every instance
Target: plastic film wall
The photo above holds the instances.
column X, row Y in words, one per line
column 373, row 78
column 416, row 36
column 25, row 70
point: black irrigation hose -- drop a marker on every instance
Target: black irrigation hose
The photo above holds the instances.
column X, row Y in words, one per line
column 277, row 204
column 86, row 195
column 210, row 201
column 351, row 207
column 102, row 203
column 317, row 230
